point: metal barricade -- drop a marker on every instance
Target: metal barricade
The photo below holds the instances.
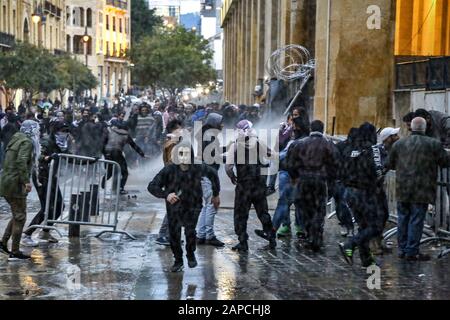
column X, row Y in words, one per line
column 437, row 221
column 81, row 182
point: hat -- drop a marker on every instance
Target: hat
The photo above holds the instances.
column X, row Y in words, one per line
column 244, row 125
column 387, row 132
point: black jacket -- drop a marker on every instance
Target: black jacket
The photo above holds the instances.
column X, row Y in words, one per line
column 186, row 184
column 362, row 166
column 416, row 160
column 312, row 157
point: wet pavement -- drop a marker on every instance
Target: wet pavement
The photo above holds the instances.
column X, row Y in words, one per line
column 115, row 267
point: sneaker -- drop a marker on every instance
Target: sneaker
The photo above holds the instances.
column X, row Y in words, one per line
column 262, row 234
column 270, row 191
column 163, row 241
column 272, row 243
column 4, row 249
column 177, row 266
column 122, row 191
column 192, row 261
column 300, row 233
column 241, row 246
column 20, row 256
column 201, row 241
column 27, row 241
column 215, row 242
column 347, row 252
column 283, row 231
column 419, row 257
column 46, row 236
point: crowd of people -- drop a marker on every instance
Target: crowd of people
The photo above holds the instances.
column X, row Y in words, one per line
column 312, row 170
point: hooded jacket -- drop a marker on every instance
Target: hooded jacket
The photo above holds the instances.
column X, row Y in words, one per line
column 17, row 166
column 186, row 184
column 118, row 138
column 361, row 162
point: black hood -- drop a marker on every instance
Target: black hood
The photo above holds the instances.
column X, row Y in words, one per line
column 367, row 134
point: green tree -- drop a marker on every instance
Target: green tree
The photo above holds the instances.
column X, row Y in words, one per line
column 73, row 75
column 36, row 70
column 172, row 60
column 29, row 68
column 143, row 20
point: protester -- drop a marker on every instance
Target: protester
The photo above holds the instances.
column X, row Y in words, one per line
column 312, row 160
column 250, row 185
column 416, row 160
column 118, row 137
column 57, row 142
column 363, row 168
column 180, row 183
column 15, row 184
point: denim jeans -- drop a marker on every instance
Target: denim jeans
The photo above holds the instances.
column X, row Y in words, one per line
column 363, row 204
column 411, row 217
column 285, row 201
column 205, row 226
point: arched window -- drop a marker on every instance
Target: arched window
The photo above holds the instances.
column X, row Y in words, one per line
column 81, row 17
column 89, row 18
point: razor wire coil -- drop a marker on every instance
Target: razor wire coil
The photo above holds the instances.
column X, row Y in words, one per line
column 290, row 63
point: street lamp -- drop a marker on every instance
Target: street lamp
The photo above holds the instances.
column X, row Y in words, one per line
column 38, row 18
column 86, row 39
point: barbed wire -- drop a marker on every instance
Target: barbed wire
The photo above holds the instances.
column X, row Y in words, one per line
column 290, row 63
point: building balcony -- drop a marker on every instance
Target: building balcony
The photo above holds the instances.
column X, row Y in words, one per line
column 6, row 40
column 52, row 10
column 430, row 73
column 117, row 3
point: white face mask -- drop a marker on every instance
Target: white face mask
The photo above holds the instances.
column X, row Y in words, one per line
column 184, row 155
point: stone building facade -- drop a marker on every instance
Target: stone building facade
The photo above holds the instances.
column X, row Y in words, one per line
column 357, row 45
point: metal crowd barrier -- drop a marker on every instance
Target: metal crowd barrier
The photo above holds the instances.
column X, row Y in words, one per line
column 78, row 182
column 437, row 222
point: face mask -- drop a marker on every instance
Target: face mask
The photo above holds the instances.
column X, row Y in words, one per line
column 62, row 140
column 184, row 155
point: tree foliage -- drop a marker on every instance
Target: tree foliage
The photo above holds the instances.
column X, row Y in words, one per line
column 36, row 70
column 143, row 20
column 172, row 60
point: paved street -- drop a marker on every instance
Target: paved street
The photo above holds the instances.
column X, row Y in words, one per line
column 117, row 268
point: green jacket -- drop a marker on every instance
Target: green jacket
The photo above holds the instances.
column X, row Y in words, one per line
column 16, row 166
column 416, row 160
